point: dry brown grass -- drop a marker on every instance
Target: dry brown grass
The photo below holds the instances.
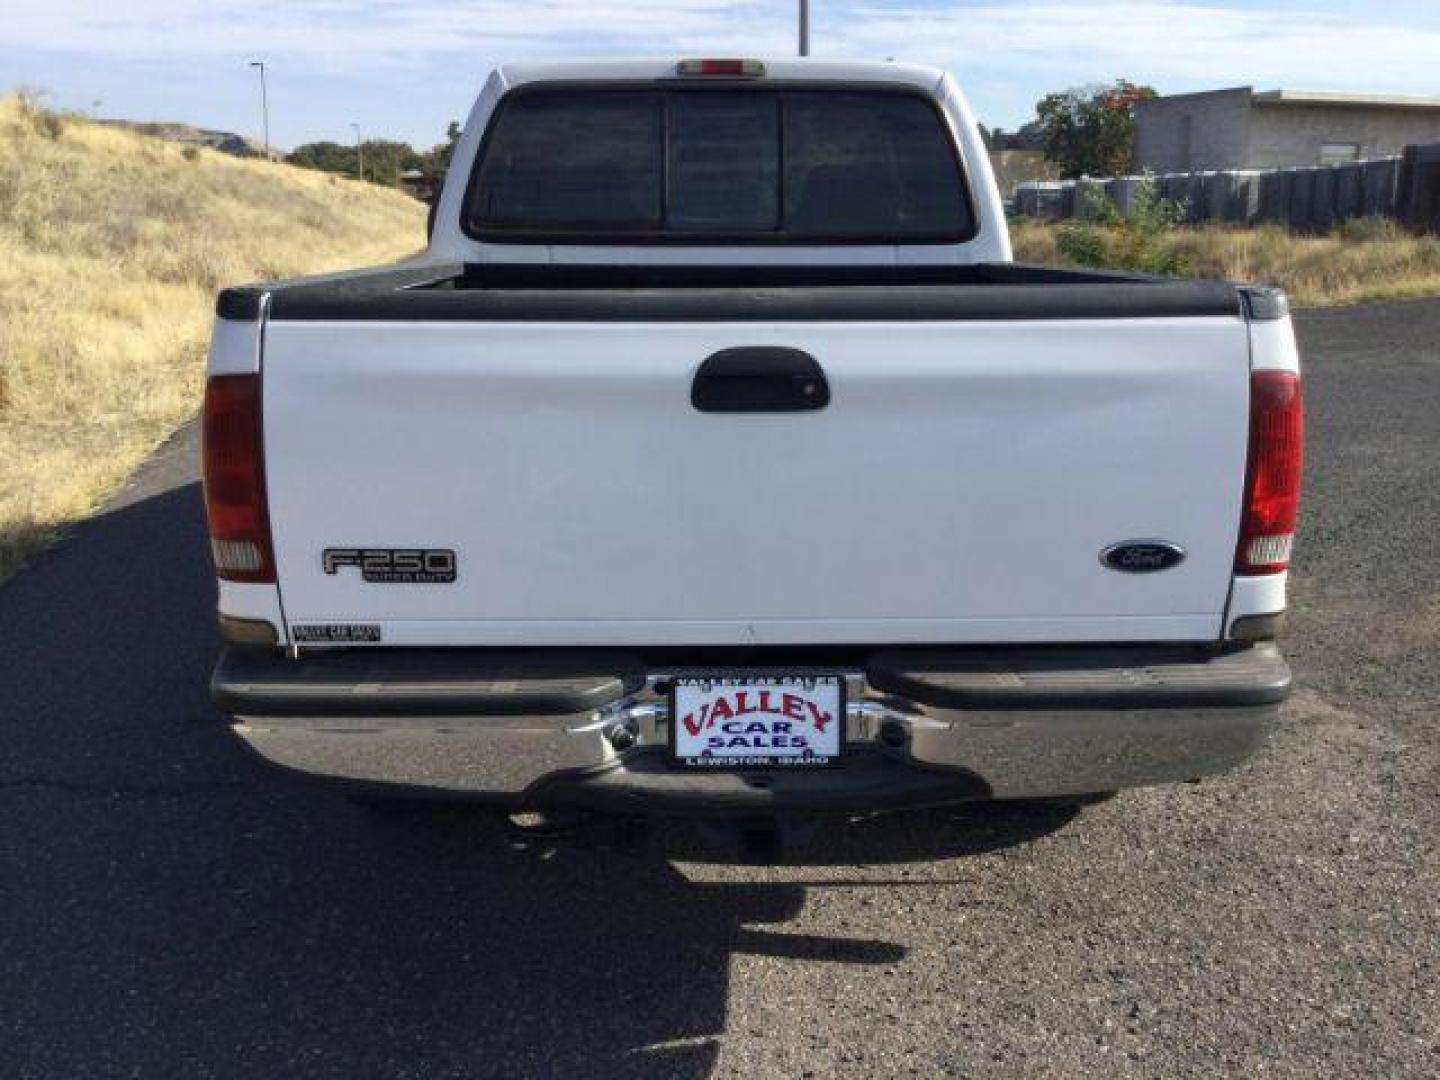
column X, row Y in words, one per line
column 112, row 246
column 1367, row 260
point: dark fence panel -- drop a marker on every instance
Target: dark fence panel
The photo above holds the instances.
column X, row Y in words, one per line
column 1420, row 187
column 1306, row 199
column 1379, row 181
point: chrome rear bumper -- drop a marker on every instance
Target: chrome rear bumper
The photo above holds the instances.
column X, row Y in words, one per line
column 899, row 751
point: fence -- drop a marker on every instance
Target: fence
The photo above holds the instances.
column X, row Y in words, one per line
column 1306, row 199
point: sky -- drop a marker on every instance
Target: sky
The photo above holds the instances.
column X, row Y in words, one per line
column 404, row 68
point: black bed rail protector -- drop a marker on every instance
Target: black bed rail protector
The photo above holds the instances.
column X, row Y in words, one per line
column 423, row 682
column 780, row 276
column 1083, row 677
column 243, row 303
column 728, row 294
column 1263, row 304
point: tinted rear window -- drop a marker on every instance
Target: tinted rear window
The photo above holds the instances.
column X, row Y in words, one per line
column 573, row 160
column 798, row 165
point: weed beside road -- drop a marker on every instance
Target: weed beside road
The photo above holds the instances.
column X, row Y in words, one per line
column 112, row 246
column 1365, row 260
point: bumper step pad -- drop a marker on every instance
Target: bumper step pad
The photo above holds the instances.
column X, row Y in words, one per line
column 423, row 682
column 1064, row 677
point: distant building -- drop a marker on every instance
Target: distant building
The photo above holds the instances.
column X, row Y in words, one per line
column 417, row 184
column 1245, row 129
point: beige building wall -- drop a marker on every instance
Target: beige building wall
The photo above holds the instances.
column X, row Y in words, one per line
column 1240, row 129
column 1294, row 134
column 1193, row 131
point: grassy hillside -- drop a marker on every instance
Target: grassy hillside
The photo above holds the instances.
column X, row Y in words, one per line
column 112, row 246
column 1361, row 261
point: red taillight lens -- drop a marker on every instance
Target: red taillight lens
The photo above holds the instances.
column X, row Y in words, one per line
column 235, row 479
column 1272, row 473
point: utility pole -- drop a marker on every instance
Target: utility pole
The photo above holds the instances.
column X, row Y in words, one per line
column 359, row 152
column 804, row 27
column 264, row 104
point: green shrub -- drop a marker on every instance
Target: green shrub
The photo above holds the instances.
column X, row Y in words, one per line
column 1083, row 243
column 1139, row 238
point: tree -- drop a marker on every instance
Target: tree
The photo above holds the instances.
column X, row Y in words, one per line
column 1090, row 130
column 385, row 159
column 325, row 156
column 436, row 160
column 1027, row 137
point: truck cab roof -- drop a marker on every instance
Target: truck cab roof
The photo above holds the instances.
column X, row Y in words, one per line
column 786, row 68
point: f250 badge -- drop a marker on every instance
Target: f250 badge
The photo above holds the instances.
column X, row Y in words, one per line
column 394, row 566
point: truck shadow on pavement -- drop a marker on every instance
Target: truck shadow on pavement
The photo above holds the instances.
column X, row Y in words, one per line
column 171, row 908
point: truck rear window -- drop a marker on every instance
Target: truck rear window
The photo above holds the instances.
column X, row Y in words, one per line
column 816, row 166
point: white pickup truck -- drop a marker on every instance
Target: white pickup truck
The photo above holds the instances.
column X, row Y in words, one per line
column 717, row 459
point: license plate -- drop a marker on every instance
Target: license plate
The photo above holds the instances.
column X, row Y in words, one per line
column 750, row 722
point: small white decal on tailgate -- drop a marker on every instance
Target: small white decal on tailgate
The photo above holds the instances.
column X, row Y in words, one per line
column 313, row 633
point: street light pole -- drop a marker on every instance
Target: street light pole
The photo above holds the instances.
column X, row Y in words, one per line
column 359, row 152
column 804, row 27
column 264, row 104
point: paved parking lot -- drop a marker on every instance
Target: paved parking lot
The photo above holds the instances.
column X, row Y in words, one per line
column 167, row 909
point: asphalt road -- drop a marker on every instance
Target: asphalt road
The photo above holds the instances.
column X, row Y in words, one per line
column 168, row 909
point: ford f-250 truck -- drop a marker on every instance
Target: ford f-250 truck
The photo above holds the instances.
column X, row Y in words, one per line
column 717, row 459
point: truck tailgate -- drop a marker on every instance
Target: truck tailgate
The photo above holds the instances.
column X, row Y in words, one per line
column 959, row 486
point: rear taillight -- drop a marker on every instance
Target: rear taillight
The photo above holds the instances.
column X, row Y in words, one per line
column 235, row 479
column 1272, row 473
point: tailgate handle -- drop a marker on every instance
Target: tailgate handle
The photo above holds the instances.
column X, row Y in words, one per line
column 760, row 378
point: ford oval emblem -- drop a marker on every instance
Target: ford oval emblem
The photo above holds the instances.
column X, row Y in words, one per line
column 1142, row 556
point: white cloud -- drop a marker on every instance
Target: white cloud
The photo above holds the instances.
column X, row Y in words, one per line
column 1157, row 41
column 354, row 36
column 1186, row 41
